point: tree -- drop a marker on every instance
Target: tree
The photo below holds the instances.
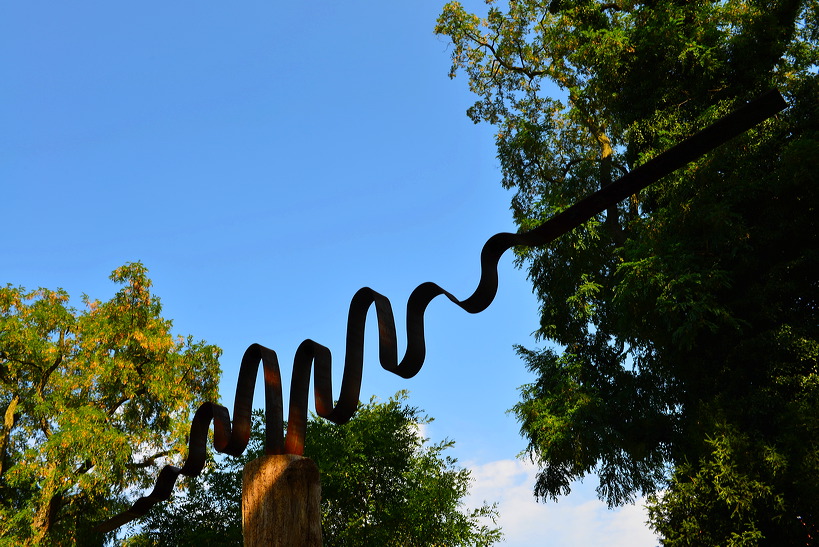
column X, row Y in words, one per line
column 93, row 403
column 207, row 512
column 382, row 484
column 684, row 321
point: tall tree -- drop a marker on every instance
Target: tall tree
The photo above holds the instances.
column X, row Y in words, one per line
column 93, row 403
column 382, row 484
column 685, row 319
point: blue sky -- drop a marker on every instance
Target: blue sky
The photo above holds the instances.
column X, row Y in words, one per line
column 266, row 160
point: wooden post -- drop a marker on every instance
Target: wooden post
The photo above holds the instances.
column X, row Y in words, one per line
column 281, row 502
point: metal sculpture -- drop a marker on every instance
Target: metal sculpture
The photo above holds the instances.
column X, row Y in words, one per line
column 233, row 440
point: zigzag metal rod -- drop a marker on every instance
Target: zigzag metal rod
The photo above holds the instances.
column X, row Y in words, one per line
column 234, row 440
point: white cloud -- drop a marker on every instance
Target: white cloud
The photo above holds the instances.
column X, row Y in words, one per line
column 579, row 519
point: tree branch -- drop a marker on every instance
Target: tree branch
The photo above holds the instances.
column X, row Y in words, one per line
column 84, row 468
column 531, row 74
column 149, row 461
column 50, row 370
column 110, row 412
column 9, row 420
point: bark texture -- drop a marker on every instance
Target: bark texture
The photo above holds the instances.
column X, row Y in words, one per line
column 281, row 498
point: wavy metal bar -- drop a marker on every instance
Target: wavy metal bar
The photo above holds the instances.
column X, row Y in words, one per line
column 311, row 354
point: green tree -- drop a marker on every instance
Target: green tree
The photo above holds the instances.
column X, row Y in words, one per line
column 207, row 511
column 382, row 484
column 94, row 402
column 685, row 319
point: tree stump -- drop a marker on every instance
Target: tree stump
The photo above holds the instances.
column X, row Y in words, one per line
column 281, row 502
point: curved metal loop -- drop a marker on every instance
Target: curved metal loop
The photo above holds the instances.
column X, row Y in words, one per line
column 311, row 354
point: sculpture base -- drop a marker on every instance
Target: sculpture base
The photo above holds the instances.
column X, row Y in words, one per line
column 281, row 502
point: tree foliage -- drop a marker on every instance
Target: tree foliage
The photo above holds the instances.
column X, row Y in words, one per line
column 382, row 484
column 685, row 319
column 93, row 403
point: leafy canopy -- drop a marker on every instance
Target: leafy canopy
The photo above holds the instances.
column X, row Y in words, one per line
column 93, row 403
column 382, row 484
column 683, row 321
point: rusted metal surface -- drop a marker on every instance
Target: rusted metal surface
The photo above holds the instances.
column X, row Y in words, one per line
column 312, row 356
